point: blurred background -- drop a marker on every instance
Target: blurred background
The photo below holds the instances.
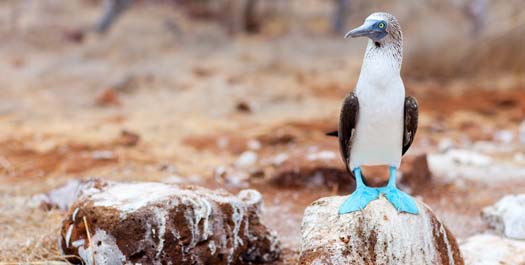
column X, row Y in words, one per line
column 239, row 93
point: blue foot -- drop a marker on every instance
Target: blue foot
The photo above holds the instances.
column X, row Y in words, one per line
column 361, row 196
column 400, row 200
column 359, row 199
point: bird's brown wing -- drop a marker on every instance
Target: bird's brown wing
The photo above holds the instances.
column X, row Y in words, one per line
column 411, row 119
column 347, row 125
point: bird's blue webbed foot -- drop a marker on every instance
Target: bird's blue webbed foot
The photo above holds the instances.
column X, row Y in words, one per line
column 358, row 200
column 400, row 200
column 360, row 197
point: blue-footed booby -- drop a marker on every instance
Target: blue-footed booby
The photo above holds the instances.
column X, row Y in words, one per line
column 377, row 122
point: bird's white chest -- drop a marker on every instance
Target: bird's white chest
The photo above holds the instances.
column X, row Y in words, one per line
column 378, row 135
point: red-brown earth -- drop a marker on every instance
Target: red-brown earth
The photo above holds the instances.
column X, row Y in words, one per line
column 183, row 108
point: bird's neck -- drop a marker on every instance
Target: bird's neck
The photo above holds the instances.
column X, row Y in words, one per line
column 381, row 64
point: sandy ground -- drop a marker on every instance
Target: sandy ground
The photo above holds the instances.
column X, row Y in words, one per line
column 197, row 98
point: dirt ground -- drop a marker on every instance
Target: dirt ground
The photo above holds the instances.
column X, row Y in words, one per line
column 150, row 103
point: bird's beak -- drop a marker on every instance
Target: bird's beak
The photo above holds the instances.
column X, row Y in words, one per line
column 365, row 30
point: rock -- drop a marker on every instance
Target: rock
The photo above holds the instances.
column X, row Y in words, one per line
column 416, row 174
column 107, row 97
column 156, row 223
column 253, row 144
column 486, row 249
column 61, row 197
column 458, row 166
column 309, row 168
column 74, row 35
column 507, row 216
column 243, row 106
column 232, row 177
column 246, row 159
column 322, row 155
column 376, row 235
column 128, row 138
column 522, row 132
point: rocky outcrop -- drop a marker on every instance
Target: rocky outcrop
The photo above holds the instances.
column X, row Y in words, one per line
column 486, row 249
column 507, row 216
column 415, row 173
column 155, row 223
column 376, row 235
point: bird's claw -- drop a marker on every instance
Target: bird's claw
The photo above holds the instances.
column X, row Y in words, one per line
column 400, row 200
column 359, row 199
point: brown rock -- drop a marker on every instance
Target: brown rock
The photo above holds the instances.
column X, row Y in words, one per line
column 416, row 174
column 155, row 223
column 376, row 235
column 128, row 138
column 331, row 178
column 74, row 35
column 311, row 169
column 243, row 106
column 107, row 97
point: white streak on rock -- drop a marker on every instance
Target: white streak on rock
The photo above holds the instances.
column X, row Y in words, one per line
column 123, row 196
column 449, row 249
column 161, row 216
column 74, row 215
column 106, row 249
column 212, row 247
column 68, row 235
column 78, row 243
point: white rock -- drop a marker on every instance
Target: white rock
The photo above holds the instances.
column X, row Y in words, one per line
column 522, row 132
column 223, row 142
column 254, row 144
column 519, row 157
column 457, row 165
column 279, row 159
column 467, row 157
column 507, row 216
column 376, row 235
column 246, row 159
column 504, row 136
column 486, row 249
column 61, row 197
column 103, row 155
column 323, row 155
column 445, row 144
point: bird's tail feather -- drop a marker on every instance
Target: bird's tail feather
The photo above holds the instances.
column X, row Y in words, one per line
column 333, row 133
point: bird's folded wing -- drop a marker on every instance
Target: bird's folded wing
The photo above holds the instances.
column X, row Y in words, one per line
column 347, row 124
column 411, row 119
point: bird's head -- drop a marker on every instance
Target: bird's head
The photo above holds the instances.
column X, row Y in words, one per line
column 382, row 28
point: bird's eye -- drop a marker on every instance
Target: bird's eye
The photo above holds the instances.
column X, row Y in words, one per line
column 381, row 25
